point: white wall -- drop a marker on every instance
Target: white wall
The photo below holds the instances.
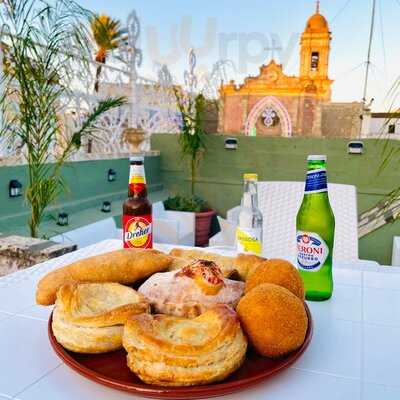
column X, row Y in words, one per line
column 374, row 127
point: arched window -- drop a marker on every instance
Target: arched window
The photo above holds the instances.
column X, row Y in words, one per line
column 314, row 60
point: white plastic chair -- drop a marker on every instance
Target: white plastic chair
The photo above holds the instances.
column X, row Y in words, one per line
column 173, row 227
column 226, row 237
column 90, row 234
column 279, row 203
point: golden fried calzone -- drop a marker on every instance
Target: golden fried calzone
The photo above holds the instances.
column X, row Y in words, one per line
column 89, row 317
column 175, row 351
column 192, row 290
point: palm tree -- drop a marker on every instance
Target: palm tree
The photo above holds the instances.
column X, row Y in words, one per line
column 107, row 34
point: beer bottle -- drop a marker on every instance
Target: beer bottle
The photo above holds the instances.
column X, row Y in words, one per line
column 315, row 226
column 249, row 230
column 137, row 209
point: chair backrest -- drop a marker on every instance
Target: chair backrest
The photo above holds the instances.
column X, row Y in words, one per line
column 280, row 201
column 158, row 210
column 89, row 234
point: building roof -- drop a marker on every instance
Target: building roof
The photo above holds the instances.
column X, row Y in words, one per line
column 317, row 22
column 386, row 115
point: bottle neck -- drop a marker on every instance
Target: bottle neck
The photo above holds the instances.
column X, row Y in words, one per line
column 316, row 180
column 137, row 180
column 249, row 200
column 250, row 195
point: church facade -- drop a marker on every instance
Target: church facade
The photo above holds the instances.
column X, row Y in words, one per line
column 275, row 104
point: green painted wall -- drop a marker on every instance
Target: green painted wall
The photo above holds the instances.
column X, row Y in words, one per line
column 88, row 188
column 220, row 172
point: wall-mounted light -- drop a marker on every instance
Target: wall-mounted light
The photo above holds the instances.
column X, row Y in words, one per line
column 112, row 175
column 15, row 188
column 106, row 207
column 62, row 219
column 355, row 147
column 231, row 143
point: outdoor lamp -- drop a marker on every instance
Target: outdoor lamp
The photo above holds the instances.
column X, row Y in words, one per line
column 106, row 207
column 15, row 188
column 112, row 175
column 231, row 143
column 62, row 219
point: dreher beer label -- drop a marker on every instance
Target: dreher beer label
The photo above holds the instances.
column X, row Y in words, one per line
column 138, row 232
column 249, row 240
column 316, row 181
column 312, row 251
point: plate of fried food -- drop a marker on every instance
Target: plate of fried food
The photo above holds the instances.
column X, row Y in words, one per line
column 183, row 325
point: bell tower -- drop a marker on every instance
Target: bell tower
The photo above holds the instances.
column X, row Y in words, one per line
column 314, row 53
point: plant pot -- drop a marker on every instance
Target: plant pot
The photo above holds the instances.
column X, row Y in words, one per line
column 135, row 137
column 203, row 226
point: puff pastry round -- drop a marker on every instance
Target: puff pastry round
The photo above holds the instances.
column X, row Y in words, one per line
column 192, row 290
column 89, row 317
column 175, row 351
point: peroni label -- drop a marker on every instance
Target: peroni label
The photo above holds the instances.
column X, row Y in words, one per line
column 312, row 251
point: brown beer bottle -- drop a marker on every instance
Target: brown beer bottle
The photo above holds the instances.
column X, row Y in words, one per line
column 137, row 209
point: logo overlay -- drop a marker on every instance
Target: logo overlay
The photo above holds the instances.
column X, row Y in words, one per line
column 249, row 240
column 138, row 232
column 316, row 181
column 312, row 251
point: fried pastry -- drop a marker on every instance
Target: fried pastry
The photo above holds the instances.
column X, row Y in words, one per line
column 89, row 317
column 191, row 290
column 239, row 266
column 124, row 266
column 174, row 351
column 225, row 263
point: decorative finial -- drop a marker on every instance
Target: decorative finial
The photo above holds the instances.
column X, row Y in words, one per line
column 317, row 11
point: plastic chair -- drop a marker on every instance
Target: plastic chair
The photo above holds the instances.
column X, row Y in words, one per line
column 173, row 227
column 90, row 234
column 280, row 201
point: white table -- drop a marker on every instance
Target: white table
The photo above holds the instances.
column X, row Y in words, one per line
column 354, row 354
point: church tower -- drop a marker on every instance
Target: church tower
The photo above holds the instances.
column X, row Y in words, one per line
column 314, row 55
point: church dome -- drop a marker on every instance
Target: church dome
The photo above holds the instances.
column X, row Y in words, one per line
column 317, row 23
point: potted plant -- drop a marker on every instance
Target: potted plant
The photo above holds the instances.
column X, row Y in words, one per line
column 193, row 147
column 37, row 40
column 203, row 214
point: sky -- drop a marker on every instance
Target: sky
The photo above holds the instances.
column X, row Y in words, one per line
column 251, row 32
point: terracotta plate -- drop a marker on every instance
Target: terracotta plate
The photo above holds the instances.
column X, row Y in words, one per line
column 110, row 369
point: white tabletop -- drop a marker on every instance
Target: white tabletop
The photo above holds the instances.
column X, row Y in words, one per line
column 354, row 354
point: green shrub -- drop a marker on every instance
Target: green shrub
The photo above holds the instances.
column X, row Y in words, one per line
column 182, row 203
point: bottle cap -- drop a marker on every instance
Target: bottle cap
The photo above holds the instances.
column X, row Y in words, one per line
column 250, row 177
column 317, row 157
column 136, row 158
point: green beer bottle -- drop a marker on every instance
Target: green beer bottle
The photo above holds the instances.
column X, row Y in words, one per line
column 315, row 225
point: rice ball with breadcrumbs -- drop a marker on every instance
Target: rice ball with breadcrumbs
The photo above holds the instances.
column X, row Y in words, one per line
column 279, row 272
column 274, row 320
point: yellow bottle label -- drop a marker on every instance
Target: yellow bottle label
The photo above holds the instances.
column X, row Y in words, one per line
column 249, row 240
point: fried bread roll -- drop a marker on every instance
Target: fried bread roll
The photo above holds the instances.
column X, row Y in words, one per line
column 124, row 266
column 89, row 317
column 173, row 351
